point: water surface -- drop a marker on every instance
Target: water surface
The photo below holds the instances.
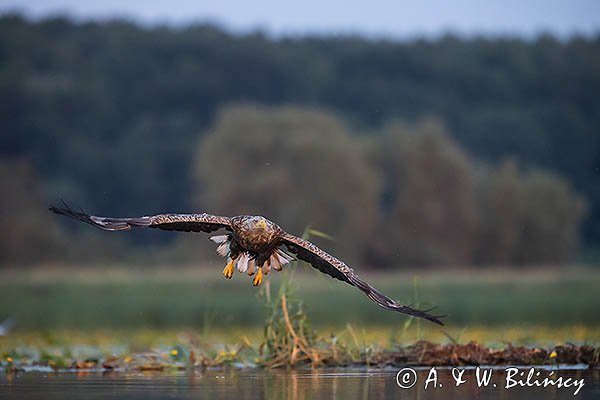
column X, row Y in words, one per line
column 303, row 384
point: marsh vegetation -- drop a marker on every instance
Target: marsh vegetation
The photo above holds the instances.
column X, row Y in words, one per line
column 140, row 319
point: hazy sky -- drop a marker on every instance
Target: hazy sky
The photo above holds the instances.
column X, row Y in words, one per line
column 368, row 17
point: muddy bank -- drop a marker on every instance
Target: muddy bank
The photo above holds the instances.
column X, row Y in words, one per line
column 425, row 353
column 421, row 353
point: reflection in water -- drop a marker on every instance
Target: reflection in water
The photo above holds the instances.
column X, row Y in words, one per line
column 292, row 385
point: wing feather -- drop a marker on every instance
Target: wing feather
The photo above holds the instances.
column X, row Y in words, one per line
column 170, row 222
column 328, row 264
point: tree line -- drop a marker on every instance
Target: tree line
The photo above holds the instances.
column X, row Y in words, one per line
column 408, row 196
column 109, row 115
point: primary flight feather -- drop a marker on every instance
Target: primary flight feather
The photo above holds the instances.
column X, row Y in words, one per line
column 254, row 245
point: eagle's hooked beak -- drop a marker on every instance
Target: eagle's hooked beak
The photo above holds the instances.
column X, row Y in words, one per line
column 262, row 224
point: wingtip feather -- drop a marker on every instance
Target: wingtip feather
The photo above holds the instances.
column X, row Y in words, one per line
column 385, row 302
column 99, row 222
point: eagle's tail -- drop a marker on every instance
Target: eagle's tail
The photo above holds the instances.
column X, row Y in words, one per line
column 389, row 304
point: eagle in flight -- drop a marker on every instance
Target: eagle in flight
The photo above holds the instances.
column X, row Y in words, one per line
column 254, row 245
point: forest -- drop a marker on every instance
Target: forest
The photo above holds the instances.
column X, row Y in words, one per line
column 481, row 151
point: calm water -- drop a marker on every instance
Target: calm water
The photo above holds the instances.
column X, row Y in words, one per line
column 258, row 384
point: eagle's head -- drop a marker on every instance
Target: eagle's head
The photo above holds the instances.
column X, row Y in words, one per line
column 261, row 224
column 254, row 230
column 258, row 225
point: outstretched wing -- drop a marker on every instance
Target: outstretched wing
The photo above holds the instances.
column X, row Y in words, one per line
column 169, row 222
column 328, row 264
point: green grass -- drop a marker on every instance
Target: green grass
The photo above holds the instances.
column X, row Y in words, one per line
column 199, row 298
column 105, row 338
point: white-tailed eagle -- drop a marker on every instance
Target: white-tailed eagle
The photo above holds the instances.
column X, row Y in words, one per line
column 254, row 245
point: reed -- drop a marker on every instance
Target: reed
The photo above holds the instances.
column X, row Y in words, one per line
column 289, row 339
column 288, row 336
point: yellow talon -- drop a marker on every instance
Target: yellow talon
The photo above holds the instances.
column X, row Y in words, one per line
column 228, row 271
column 258, row 278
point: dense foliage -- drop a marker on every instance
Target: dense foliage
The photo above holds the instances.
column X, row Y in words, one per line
column 109, row 115
column 422, row 200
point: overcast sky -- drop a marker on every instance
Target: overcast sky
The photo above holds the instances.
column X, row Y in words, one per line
column 395, row 19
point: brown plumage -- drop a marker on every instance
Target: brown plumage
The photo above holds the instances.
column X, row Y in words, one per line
column 253, row 244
